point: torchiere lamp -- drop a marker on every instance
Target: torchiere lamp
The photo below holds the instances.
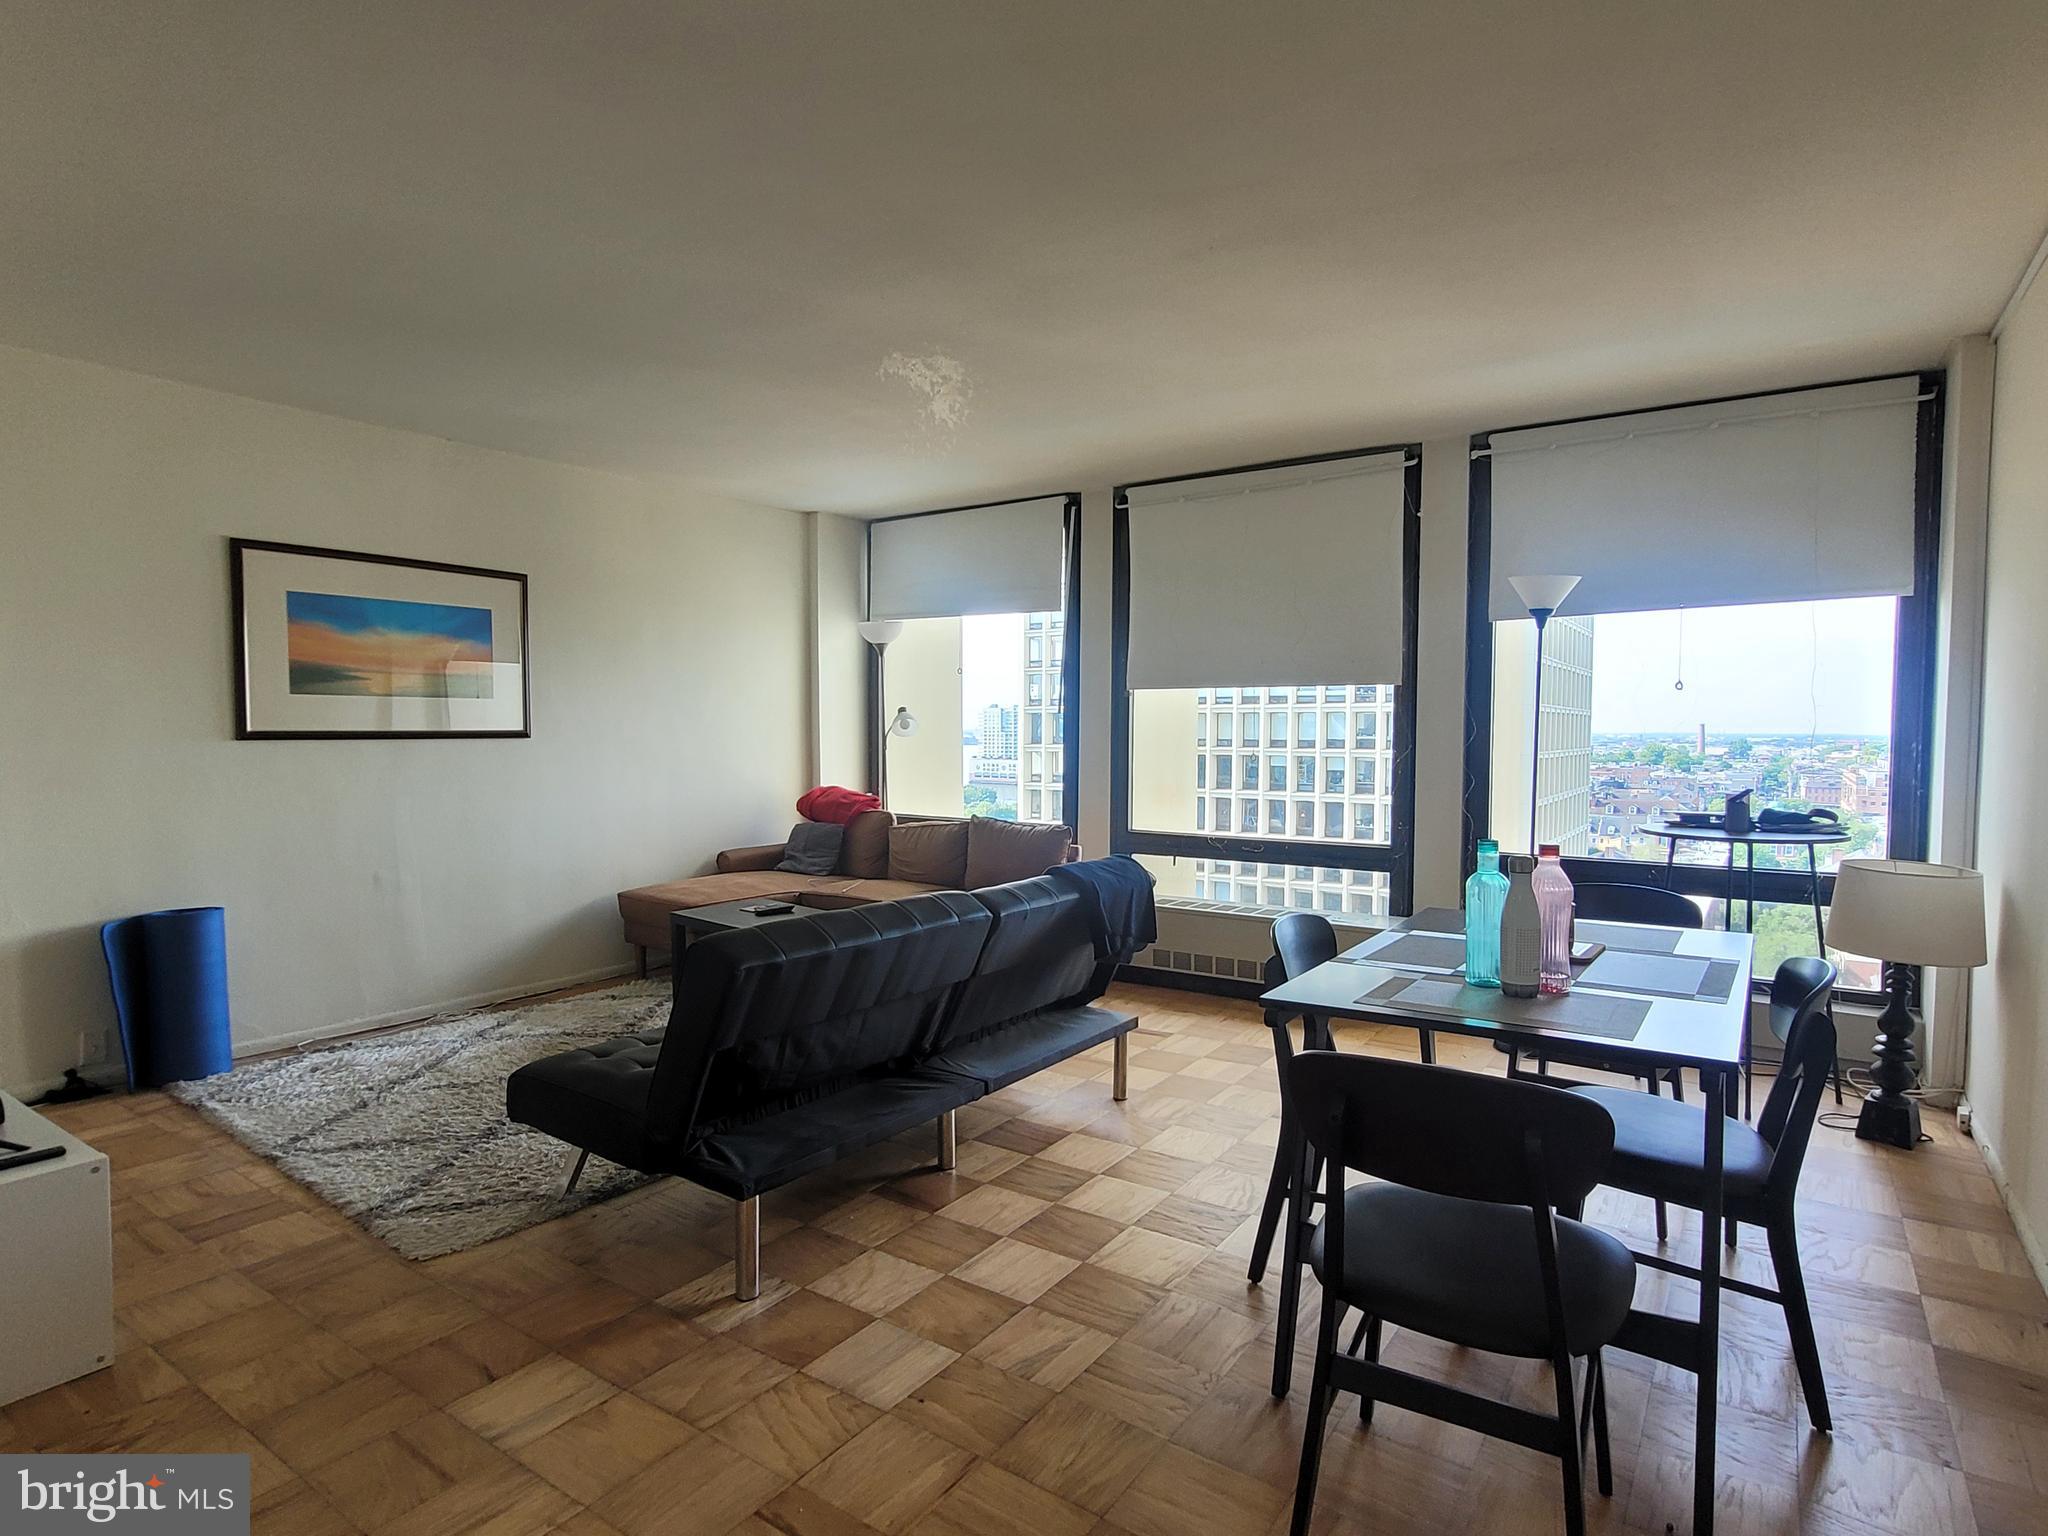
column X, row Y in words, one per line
column 878, row 633
column 1542, row 596
column 1907, row 915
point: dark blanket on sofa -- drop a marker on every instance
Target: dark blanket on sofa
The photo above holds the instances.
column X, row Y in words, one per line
column 1118, row 894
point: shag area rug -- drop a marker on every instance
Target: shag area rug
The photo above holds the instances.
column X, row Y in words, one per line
column 406, row 1131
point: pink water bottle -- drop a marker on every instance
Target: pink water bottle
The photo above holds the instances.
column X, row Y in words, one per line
column 1554, row 913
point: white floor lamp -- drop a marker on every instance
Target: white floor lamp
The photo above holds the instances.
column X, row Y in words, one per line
column 1542, row 596
column 878, row 633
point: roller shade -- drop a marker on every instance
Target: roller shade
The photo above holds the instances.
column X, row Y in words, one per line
column 1006, row 559
column 1788, row 497
column 1288, row 575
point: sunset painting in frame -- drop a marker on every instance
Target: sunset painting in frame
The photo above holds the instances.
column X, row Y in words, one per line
column 380, row 645
column 331, row 643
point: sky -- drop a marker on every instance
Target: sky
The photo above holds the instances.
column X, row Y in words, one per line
column 1776, row 668
column 991, row 662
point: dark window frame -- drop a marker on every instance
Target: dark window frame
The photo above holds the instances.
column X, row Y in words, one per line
column 1394, row 858
column 1913, row 672
column 1070, row 649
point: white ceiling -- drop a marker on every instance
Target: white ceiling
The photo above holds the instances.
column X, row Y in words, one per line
column 869, row 255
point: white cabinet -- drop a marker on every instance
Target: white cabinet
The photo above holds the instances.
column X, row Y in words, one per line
column 56, row 1260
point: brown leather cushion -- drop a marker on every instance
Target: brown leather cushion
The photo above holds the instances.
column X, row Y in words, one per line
column 865, row 852
column 646, row 910
column 930, row 852
column 1001, row 851
column 856, row 893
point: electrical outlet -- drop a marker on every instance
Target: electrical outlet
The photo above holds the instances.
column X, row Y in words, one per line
column 92, row 1047
column 1964, row 1117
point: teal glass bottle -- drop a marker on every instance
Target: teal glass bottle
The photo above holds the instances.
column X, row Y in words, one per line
column 1486, row 893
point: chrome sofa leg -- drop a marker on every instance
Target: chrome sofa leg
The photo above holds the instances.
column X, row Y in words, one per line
column 949, row 1141
column 746, row 1247
column 573, row 1165
column 1120, row 1073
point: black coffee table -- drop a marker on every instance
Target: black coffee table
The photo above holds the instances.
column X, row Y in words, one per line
column 722, row 916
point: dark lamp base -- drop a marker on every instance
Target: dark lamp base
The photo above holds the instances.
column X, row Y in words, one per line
column 1895, row 1121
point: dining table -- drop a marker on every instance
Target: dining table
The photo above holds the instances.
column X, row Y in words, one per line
column 1652, row 1000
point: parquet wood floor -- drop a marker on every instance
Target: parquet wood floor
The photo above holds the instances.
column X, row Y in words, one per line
column 1055, row 1339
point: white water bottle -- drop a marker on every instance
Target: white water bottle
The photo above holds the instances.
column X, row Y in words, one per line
column 1521, row 931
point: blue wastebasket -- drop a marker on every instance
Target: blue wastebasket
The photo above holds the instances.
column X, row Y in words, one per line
column 169, row 972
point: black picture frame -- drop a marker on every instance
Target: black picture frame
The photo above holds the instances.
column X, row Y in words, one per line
column 240, row 548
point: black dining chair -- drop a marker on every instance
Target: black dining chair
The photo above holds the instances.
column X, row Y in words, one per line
column 1617, row 903
column 1792, row 991
column 1462, row 1242
column 1659, row 1152
column 1301, row 942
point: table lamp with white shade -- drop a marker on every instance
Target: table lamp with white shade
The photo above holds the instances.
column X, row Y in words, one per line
column 1907, row 915
column 1542, row 596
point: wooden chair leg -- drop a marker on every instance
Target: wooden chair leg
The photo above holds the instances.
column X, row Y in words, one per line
column 1285, row 1154
column 1319, row 1397
column 1784, row 1242
column 1370, row 1327
column 1568, row 1449
column 1295, row 1218
column 1603, row 1456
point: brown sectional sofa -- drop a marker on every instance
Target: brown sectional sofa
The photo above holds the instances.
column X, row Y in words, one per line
column 996, row 853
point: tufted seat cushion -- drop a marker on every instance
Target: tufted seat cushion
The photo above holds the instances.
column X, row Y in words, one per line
column 595, row 1097
column 1466, row 1272
column 1659, row 1145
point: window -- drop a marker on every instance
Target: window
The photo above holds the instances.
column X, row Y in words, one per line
column 1223, row 762
column 1790, row 701
column 981, row 596
column 1202, row 773
column 1358, row 893
column 1304, row 731
column 1364, row 776
column 1676, row 674
column 1368, row 728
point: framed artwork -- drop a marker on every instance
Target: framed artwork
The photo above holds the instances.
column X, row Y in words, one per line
column 331, row 644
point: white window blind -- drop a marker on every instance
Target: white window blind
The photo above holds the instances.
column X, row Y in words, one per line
column 1282, row 573
column 1005, row 559
column 1793, row 496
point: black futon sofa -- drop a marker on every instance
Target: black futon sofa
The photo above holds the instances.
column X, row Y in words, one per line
column 795, row 1043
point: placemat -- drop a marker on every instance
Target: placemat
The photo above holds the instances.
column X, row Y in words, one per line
column 1705, row 981
column 1411, row 951
column 1642, row 941
column 1603, row 1015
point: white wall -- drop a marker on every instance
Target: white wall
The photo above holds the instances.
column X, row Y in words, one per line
column 839, row 657
column 2008, row 1071
column 363, row 880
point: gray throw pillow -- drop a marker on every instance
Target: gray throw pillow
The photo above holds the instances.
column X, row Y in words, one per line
column 813, row 848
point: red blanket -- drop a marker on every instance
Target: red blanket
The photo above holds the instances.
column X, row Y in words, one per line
column 831, row 802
